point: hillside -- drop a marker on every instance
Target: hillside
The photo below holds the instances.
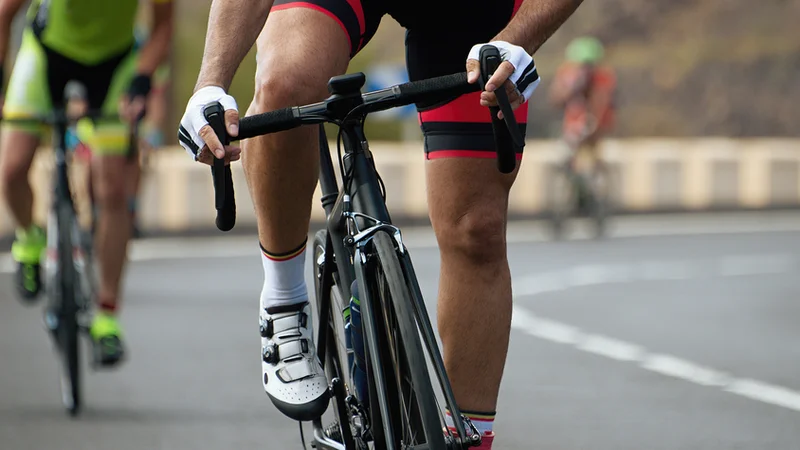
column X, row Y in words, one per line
column 686, row 68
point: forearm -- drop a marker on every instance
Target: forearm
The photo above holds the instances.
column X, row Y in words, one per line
column 5, row 36
column 536, row 21
column 233, row 26
column 156, row 51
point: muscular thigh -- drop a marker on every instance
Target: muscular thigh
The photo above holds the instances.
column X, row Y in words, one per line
column 459, row 127
column 467, row 195
column 304, row 44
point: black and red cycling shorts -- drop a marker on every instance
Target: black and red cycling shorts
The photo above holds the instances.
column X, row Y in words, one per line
column 439, row 35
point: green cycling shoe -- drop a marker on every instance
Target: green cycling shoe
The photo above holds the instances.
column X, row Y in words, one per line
column 27, row 251
column 106, row 339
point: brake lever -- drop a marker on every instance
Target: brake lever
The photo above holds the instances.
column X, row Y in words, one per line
column 490, row 59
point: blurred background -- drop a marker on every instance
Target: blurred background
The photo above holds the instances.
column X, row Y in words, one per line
column 656, row 277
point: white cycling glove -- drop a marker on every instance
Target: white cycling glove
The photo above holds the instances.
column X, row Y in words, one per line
column 525, row 75
column 193, row 119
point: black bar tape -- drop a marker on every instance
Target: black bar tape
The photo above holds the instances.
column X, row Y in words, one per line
column 434, row 88
column 506, row 153
column 269, row 122
column 225, row 203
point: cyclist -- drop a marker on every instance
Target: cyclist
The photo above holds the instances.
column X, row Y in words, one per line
column 300, row 45
column 584, row 88
column 91, row 42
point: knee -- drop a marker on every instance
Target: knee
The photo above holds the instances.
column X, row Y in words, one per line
column 111, row 194
column 282, row 89
column 477, row 236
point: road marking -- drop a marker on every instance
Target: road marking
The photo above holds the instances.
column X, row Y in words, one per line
column 599, row 274
column 668, row 365
column 527, row 231
column 765, row 392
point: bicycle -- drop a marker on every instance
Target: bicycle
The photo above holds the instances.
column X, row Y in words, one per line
column 576, row 192
column 383, row 398
column 69, row 275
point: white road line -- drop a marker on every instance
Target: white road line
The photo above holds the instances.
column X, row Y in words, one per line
column 593, row 275
column 611, row 348
column 680, row 368
column 672, row 366
column 518, row 232
column 765, row 392
column 546, row 329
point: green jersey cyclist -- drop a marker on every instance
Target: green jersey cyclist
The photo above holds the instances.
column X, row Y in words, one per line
column 90, row 41
column 301, row 44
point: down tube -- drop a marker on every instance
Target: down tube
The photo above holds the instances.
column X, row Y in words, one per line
column 366, row 191
column 429, row 337
column 371, row 338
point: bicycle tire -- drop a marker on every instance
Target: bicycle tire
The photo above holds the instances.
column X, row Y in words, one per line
column 333, row 363
column 600, row 183
column 561, row 200
column 427, row 414
column 67, row 316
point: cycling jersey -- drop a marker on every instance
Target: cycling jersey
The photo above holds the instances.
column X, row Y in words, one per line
column 435, row 46
column 594, row 98
column 90, row 41
column 86, row 31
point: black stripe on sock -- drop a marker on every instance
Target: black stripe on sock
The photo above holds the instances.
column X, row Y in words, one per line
column 280, row 255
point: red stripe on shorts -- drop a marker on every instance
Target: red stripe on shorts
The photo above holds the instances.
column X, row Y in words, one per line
column 517, row 4
column 467, row 108
column 324, row 11
column 357, row 8
column 465, row 154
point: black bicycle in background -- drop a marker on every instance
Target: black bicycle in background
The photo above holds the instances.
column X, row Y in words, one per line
column 580, row 186
column 69, row 276
column 381, row 391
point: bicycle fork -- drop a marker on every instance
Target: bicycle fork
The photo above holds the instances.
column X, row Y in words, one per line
column 52, row 269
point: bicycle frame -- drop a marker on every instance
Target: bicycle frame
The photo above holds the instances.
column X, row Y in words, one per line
column 354, row 214
column 61, row 189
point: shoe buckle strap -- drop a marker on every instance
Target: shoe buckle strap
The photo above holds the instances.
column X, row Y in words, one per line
column 296, row 371
column 274, row 353
column 277, row 325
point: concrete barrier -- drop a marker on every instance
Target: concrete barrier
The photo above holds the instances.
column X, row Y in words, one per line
column 649, row 175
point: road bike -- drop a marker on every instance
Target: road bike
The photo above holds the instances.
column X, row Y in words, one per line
column 579, row 187
column 374, row 336
column 69, row 273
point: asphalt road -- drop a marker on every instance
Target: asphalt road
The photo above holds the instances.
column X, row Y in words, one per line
column 676, row 333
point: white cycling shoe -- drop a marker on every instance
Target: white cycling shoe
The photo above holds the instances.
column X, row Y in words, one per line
column 293, row 377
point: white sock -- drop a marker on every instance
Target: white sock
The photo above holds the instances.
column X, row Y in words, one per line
column 284, row 278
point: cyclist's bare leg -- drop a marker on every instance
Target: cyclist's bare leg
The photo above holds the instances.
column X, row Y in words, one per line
column 468, row 202
column 17, row 150
column 113, row 224
column 134, row 178
column 298, row 51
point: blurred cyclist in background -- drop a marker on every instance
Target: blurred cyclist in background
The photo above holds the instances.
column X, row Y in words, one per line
column 151, row 137
column 92, row 42
column 584, row 88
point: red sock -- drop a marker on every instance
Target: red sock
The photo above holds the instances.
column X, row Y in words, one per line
column 107, row 307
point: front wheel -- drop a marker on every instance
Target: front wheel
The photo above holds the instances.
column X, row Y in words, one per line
column 561, row 199
column 601, row 206
column 416, row 417
column 66, row 309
